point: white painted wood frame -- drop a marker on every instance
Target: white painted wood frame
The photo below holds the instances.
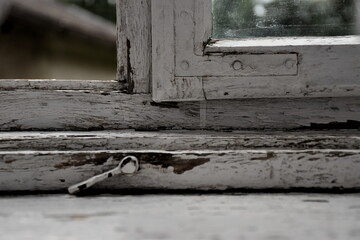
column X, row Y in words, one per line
column 182, row 160
column 188, row 65
column 102, row 105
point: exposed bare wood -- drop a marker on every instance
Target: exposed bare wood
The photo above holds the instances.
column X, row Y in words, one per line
column 179, row 140
column 134, row 44
column 203, row 169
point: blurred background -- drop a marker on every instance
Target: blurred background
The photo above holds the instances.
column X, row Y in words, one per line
column 104, row 8
column 57, row 39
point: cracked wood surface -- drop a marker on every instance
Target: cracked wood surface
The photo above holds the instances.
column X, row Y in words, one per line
column 52, row 105
column 181, row 160
column 179, row 140
column 134, row 44
column 180, row 170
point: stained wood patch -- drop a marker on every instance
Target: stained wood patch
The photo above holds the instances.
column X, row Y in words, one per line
column 199, row 170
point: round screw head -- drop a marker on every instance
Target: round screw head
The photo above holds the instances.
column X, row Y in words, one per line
column 185, row 65
column 237, row 65
column 289, row 63
column 184, row 15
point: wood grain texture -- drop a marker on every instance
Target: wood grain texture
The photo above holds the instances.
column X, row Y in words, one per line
column 327, row 67
column 196, row 170
column 58, row 84
column 52, row 161
column 232, row 69
column 179, row 140
column 163, row 52
column 41, row 109
column 203, row 27
column 134, row 44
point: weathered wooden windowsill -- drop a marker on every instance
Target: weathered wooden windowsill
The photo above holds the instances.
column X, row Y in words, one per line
column 35, row 161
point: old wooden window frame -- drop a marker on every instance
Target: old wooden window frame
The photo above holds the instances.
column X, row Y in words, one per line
column 43, row 161
column 189, row 66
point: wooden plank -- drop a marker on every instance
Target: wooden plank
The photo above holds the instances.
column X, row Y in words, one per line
column 197, row 170
column 163, row 52
column 134, row 44
column 274, row 87
column 327, row 67
column 189, row 88
column 39, row 109
column 166, row 86
column 267, row 44
column 179, row 140
column 203, row 27
column 58, row 84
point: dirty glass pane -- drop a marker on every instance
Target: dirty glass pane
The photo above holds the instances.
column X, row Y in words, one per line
column 269, row 18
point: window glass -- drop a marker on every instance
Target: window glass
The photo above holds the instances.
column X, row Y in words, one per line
column 277, row 18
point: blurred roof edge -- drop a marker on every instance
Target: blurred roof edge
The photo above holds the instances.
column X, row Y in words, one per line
column 61, row 16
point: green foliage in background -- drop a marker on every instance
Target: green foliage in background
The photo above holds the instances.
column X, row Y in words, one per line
column 261, row 18
column 103, row 8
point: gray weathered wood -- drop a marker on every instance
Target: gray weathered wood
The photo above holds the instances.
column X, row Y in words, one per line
column 45, row 84
column 327, row 68
column 201, row 169
column 31, row 161
column 30, row 105
column 163, row 52
column 134, row 44
column 230, row 69
column 203, row 28
column 179, row 140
